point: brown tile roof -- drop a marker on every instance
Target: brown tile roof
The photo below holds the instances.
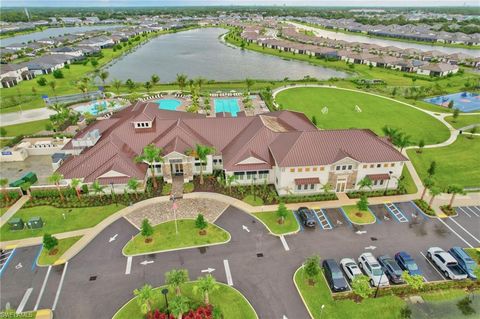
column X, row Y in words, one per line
column 306, row 181
column 378, row 177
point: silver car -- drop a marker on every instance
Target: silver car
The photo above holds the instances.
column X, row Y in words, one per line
column 350, row 268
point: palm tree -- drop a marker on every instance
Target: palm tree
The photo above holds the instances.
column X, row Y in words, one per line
column 179, row 305
column 103, row 76
column 97, row 188
column 151, row 155
column 434, row 191
column 75, row 183
column 148, row 86
column 390, row 132
column 427, row 182
column 229, row 180
column 249, row 83
column 145, row 296
column 205, row 285
column 202, row 151
column 327, row 188
column 57, row 108
column 182, row 81
column 154, row 79
column 200, row 82
column 55, row 178
column 454, row 189
column 3, row 185
column 175, row 278
column 132, row 185
column 365, row 182
column 117, row 84
column 402, row 141
column 83, row 88
column 53, row 86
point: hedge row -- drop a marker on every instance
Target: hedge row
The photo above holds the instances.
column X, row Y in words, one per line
column 308, row 198
column 377, row 193
column 424, row 207
column 14, row 196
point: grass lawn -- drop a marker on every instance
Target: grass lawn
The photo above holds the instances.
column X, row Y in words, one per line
column 376, row 112
column 76, row 218
column 463, row 120
column 249, row 199
column 3, row 210
column 231, row 302
column 164, row 237
column 409, row 183
column 28, row 128
column 271, row 220
column 63, row 245
column 474, row 253
column 357, row 216
column 456, row 163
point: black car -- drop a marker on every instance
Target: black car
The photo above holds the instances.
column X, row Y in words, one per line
column 334, row 275
column 307, row 217
column 391, row 269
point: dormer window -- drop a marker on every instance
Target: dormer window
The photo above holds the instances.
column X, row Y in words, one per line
column 146, row 124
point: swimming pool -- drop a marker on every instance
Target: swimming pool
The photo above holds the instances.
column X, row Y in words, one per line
column 464, row 101
column 99, row 107
column 168, row 104
column 226, row 105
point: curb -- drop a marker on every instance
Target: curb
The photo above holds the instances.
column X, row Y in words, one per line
column 359, row 224
column 300, row 294
column 270, row 231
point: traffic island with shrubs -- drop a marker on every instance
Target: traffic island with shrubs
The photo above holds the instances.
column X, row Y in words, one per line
column 423, row 205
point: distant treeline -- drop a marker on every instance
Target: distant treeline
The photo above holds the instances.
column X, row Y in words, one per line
column 18, row 14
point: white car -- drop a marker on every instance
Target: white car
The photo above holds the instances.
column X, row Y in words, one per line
column 372, row 269
column 350, row 268
column 447, row 264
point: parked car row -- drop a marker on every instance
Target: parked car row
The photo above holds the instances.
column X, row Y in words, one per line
column 455, row 264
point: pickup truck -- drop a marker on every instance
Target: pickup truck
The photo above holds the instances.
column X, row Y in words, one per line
column 446, row 263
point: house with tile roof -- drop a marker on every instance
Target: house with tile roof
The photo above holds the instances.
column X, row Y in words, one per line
column 282, row 148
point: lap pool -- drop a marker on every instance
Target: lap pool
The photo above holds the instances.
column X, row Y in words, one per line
column 464, row 101
column 226, row 106
column 168, row 104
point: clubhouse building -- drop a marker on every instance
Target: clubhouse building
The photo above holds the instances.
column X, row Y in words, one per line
column 282, row 148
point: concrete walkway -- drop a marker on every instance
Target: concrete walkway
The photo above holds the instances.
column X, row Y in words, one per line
column 13, row 209
column 25, row 116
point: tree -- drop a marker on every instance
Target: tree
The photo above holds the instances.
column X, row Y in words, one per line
column 402, row 141
column 117, row 84
column 181, row 81
column 202, row 151
column 26, row 188
column 312, row 268
column 3, row 185
column 282, row 212
column 414, row 281
column 144, row 297
column 362, row 204
column 179, row 305
column 103, row 76
column 421, row 145
column 75, row 183
column 454, row 189
column 473, row 131
column 365, row 182
column 314, row 120
column 456, row 113
column 130, row 84
column 465, row 306
column 53, row 86
column 146, row 230
column 55, row 178
column 229, row 180
column 390, row 132
column 432, row 169
column 3, row 132
column 97, row 188
column 205, row 285
column 434, row 191
column 83, row 88
column 94, row 62
column 154, row 79
column 361, row 286
column 132, row 185
column 249, row 83
column 151, row 155
column 175, row 278
column 201, row 224
column 42, row 81
column 57, row 74
column 450, row 104
column 427, row 182
column 49, row 242
column 327, row 188
column 199, row 82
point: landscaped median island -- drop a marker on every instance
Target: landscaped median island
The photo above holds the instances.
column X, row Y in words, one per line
column 50, row 257
column 358, row 216
column 278, row 225
column 164, row 237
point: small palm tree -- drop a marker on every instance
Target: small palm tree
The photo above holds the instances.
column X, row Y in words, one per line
column 151, row 155
column 175, row 278
column 154, row 79
column 205, row 285
column 53, row 86
column 3, row 185
column 365, row 182
column 179, row 305
column 390, row 132
column 249, row 83
column 55, row 178
column 75, row 183
column 327, row 188
column 132, row 185
column 97, row 188
column 103, row 76
column 202, row 151
column 229, row 180
column 83, row 88
column 427, row 182
column 145, row 296
column 434, row 191
column 182, row 81
column 402, row 141
column 117, row 84
column 454, row 189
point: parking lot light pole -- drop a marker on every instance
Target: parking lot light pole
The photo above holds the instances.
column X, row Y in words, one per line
column 165, row 292
column 378, row 285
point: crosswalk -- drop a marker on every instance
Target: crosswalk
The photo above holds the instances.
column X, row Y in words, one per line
column 396, row 212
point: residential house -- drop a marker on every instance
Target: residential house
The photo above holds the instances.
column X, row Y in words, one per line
column 437, row 69
column 12, row 74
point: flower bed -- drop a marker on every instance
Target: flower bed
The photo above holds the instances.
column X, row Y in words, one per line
column 202, row 312
column 448, row 210
column 423, row 205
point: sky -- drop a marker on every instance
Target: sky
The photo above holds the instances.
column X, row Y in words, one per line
column 158, row 3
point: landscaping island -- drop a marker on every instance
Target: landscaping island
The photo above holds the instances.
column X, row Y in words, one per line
column 358, row 216
column 46, row 258
column 272, row 220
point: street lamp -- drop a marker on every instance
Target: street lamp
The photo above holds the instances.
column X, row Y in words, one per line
column 388, row 180
column 378, row 284
column 165, row 292
column 321, row 311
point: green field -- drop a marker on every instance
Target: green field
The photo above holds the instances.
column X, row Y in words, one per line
column 456, row 163
column 54, row 223
column 376, row 112
column 231, row 302
column 26, row 128
column 463, row 120
column 271, row 220
column 364, row 217
column 63, row 245
column 165, row 238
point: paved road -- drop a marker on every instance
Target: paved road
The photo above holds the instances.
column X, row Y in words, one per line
column 25, row 116
column 266, row 281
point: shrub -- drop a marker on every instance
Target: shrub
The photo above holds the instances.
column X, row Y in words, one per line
column 49, row 242
column 188, row 187
column 58, row 74
column 200, row 222
column 449, row 211
column 423, row 205
column 42, row 81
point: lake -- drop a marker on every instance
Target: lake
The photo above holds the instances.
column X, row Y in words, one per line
column 385, row 42
column 52, row 32
column 200, row 53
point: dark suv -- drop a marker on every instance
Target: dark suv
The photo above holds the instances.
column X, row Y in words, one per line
column 334, row 276
column 391, row 269
column 307, row 217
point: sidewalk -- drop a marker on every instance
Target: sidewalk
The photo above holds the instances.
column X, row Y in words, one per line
column 25, row 116
column 13, row 209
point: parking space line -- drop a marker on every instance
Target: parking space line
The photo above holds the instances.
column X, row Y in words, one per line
column 227, row 272
column 434, row 267
column 284, row 243
column 396, row 212
column 129, row 266
column 298, row 220
column 60, row 285
column 460, row 208
column 22, row 304
column 478, row 241
column 5, row 265
column 472, row 211
column 466, row 242
column 42, row 289
column 477, row 208
column 34, row 264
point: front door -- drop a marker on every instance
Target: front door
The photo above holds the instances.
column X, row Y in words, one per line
column 341, row 185
column 177, row 168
